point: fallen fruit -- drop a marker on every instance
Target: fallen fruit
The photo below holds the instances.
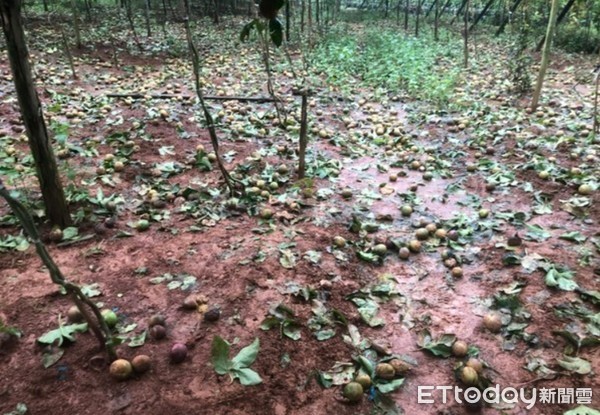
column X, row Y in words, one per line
column 120, row 369
column 142, row 225
column 401, row 368
column 190, row 302
column 339, row 242
column 266, row 213
column 74, row 315
column 385, row 371
column 460, row 348
column 422, row 234
column 493, row 322
column 406, row 210
column 56, row 234
column 110, row 318
column 404, row 253
column 457, row 272
column 157, row 319
column 353, row 391
column 364, row 380
column 475, row 364
column 414, row 245
column 380, row 249
column 141, row 363
column 212, row 315
column 158, row 332
column 469, row 376
column 585, row 189
column 441, row 233
column 178, row 353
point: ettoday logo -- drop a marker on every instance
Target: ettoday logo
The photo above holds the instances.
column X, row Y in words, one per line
column 497, row 395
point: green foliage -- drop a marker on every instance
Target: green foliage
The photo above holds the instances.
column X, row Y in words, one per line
column 577, row 39
column 383, row 58
column 239, row 366
column 520, row 61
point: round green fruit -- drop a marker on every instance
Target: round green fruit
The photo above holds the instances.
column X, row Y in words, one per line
column 142, row 225
column 353, row 391
column 110, row 318
column 380, row 249
column 385, row 371
column 364, row 380
column 406, row 210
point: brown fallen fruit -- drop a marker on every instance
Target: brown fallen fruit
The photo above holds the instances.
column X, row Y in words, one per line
column 120, row 369
column 178, row 353
column 141, row 363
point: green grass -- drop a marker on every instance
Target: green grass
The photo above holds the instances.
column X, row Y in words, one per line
column 383, row 58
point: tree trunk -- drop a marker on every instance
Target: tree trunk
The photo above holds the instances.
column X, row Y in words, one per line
column 57, row 209
column 561, row 17
column 147, row 16
column 436, row 30
column 302, row 12
column 76, row 24
column 406, row 6
column 287, row 21
column 419, row 3
column 545, row 54
column 480, row 15
column 466, row 35
column 459, row 12
column 513, row 8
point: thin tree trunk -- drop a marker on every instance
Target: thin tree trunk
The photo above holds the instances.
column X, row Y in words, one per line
column 480, row 15
column 57, row 209
column 561, row 17
column 287, row 21
column 68, row 53
column 147, row 15
column 459, row 12
column 303, row 136
column 513, row 8
column 430, row 9
column 302, row 12
column 406, row 7
column 436, row 30
column 129, row 14
column 545, row 55
column 419, row 4
column 75, row 11
column 466, row 35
